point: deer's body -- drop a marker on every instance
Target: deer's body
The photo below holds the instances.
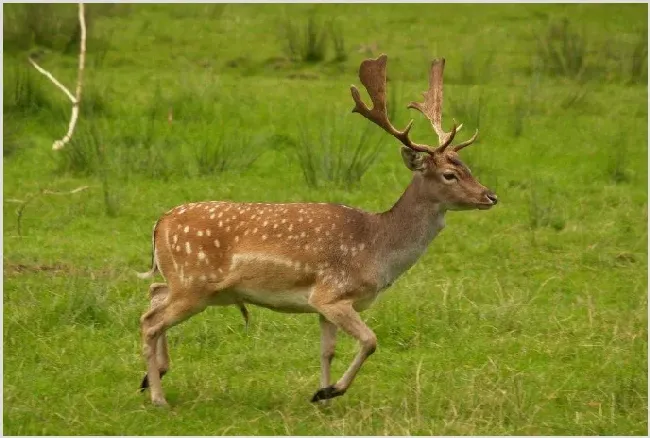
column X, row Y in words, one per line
column 328, row 259
column 274, row 255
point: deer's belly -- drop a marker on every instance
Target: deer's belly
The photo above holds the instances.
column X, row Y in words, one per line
column 290, row 301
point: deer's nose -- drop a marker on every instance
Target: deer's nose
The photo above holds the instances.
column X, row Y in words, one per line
column 492, row 197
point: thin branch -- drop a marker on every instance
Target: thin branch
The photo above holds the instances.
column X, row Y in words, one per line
column 30, row 198
column 59, row 144
column 54, row 81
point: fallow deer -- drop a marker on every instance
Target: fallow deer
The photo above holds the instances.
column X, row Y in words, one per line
column 328, row 259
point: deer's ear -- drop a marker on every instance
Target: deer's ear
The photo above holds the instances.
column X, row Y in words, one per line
column 414, row 160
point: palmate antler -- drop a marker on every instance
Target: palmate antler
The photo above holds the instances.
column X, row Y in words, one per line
column 372, row 74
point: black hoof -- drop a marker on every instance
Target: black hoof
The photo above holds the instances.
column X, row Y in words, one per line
column 326, row 393
column 145, row 381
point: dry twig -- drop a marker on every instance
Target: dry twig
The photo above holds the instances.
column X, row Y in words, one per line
column 59, row 144
column 30, row 198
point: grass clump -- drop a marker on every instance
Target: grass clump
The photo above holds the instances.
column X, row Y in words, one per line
column 305, row 42
column 639, row 58
column 562, row 50
column 229, row 148
column 309, row 41
column 336, row 150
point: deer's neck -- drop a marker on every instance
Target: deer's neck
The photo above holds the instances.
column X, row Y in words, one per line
column 406, row 230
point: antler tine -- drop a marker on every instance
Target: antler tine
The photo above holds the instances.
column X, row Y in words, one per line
column 432, row 105
column 467, row 142
column 372, row 74
column 448, row 140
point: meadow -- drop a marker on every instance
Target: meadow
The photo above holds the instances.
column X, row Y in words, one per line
column 530, row 318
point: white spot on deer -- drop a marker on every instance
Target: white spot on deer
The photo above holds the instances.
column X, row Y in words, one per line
column 199, row 233
column 178, row 248
column 175, row 238
column 344, row 249
column 327, row 233
column 300, row 219
column 228, row 228
column 362, row 246
column 211, row 210
column 201, row 255
column 263, row 236
column 303, row 234
column 254, row 230
column 208, row 232
column 317, row 229
column 278, row 235
column 284, row 221
column 186, row 229
column 290, row 227
column 236, row 239
column 187, row 248
column 310, row 221
column 333, row 225
column 220, row 224
column 265, row 223
column 217, row 243
column 246, row 232
column 220, row 214
column 306, row 247
column 220, row 271
column 275, row 226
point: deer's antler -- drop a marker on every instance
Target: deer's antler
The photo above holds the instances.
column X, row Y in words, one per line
column 432, row 107
column 372, row 74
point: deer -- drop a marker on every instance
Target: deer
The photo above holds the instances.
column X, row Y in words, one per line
column 328, row 259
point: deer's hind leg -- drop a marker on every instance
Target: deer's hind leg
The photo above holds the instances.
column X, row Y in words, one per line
column 157, row 293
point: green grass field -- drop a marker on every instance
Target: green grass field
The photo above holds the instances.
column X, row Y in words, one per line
column 530, row 318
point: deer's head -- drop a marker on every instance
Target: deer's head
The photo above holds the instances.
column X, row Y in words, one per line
column 442, row 175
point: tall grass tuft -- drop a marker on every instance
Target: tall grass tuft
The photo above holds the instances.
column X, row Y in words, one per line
column 639, row 58
column 336, row 150
column 53, row 26
column 11, row 142
column 229, row 148
column 24, row 93
column 617, row 161
column 562, row 50
column 338, row 41
column 306, row 42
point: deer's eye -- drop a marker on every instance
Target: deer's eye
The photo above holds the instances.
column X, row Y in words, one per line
column 449, row 176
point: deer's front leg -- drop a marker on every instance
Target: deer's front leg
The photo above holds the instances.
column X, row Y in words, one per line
column 343, row 315
column 327, row 346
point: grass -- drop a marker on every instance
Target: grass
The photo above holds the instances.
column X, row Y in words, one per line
column 530, row 318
